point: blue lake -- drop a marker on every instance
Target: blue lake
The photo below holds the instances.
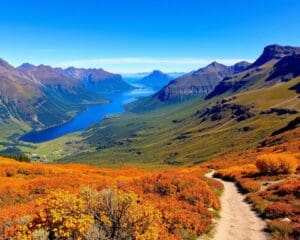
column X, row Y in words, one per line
column 93, row 114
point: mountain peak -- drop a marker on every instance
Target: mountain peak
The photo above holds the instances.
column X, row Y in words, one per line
column 212, row 67
column 275, row 51
column 156, row 79
column 215, row 64
column 26, row 66
column 156, row 72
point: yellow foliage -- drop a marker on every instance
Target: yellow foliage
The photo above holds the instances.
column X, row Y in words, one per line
column 276, row 163
column 63, row 215
column 122, row 215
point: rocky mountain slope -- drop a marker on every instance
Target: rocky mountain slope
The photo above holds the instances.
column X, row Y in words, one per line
column 276, row 64
column 253, row 107
column 44, row 96
column 200, row 82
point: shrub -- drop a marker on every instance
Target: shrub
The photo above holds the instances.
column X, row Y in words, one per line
column 276, row 163
column 280, row 229
column 232, row 173
column 121, row 215
column 248, row 185
column 279, row 210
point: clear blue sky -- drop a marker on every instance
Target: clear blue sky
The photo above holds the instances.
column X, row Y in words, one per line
column 140, row 35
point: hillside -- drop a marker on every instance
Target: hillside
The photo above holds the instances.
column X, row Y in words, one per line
column 34, row 194
column 42, row 96
column 171, row 134
column 37, row 199
column 200, row 82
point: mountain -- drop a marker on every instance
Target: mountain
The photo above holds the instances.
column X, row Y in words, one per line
column 286, row 68
column 275, row 61
column 260, row 101
column 98, row 79
column 50, row 77
column 275, row 52
column 156, row 80
column 200, row 82
column 43, row 96
column 18, row 93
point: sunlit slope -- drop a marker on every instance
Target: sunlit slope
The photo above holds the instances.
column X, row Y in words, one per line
column 193, row 131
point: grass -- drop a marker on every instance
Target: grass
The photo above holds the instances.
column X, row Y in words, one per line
column 154, row 139
column 173, row 135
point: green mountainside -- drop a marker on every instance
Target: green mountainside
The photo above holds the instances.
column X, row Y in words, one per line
column 253, row 104
column 244, row 108
column 43, row 96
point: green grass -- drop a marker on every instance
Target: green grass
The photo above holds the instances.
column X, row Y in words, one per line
column 151, row 139
column 173, row 135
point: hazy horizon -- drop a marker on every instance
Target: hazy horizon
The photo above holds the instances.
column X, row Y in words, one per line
column 134, row 36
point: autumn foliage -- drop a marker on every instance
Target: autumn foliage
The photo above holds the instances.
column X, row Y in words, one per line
column 271, row 184
column 74, row 201
column 276, row 163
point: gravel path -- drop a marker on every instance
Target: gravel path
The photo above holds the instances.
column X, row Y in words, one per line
column 238, row 221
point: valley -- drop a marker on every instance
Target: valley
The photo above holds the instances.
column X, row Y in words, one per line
column 155, row 149
column 150, row 120
column 151, row 129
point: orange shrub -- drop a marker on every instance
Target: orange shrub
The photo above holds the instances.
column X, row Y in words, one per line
column 289, row 186
column 248, row 185
column 281, row 230
column 182, row 199
column 276, row 163
column 232, row 173
column 279, row 210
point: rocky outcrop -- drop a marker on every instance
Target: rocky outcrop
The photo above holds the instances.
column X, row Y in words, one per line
column 275, row 52
column 286, row 68
column 223, row 110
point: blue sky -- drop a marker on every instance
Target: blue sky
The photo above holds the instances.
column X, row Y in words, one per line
column 141, row 35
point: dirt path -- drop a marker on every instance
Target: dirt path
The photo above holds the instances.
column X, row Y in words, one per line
column 238, row 221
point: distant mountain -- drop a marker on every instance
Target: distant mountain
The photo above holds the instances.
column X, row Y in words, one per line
column 276, row 63
column 50, row 77
column 156, row 80
column 43, row 96
column 251, row 103
column 98, row 79
column 200, row 82
column 176, row 74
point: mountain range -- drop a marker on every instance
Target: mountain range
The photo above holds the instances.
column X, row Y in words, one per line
column 249, row 102
column 199, row 82
column 192, row 118
column 43, row 96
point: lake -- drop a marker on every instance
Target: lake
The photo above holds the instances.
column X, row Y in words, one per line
column 93, row 114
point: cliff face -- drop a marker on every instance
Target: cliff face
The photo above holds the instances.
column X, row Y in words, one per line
column 275, row 52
